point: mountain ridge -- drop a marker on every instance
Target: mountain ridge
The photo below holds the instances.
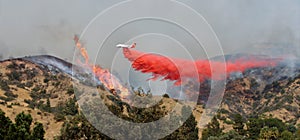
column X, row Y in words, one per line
column 269, row 91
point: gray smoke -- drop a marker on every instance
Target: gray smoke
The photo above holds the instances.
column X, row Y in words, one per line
column 265, row 26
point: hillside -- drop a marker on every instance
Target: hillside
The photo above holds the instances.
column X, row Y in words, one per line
column 45, row 91
column 272, row 91
column 43, row 87
column 28, row 87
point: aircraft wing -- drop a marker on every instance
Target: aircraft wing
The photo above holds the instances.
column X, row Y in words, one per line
column 122, row 46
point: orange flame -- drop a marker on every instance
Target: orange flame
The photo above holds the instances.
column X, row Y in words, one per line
column 105, row 77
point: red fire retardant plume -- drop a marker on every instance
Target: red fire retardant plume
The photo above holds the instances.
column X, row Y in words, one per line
column 175, row 69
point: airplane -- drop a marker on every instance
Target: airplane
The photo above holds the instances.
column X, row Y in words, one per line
column 126, row 46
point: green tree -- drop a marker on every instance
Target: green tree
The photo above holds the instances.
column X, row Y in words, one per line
column 188, row 130
column 231, row 135
column 297, row 133
column 166, row 95
column 291, row 128
column 48, row 105
column 23, row 122
column 213, row 129
column 275, row 122
column 71, row 107
column 12, row 132
column 190, row 123
column 5, row 122
column 286, row 135
column 38, row 132
column 238, row 124
column 20, row 130
column 72, row 130
column 14, row 75
column 253, row 127
column 267, row 133
column 205, row 134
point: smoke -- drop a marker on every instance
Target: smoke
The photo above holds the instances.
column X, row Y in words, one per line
column 242, row 26
column 42, row 51
column 246, row 26
column 5, row 52
column 28, row 26
column 175, row 69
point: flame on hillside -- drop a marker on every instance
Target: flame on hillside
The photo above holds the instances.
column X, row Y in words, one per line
column 104, row 76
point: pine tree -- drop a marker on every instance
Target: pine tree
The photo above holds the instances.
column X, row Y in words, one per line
column 267, row 133
column 20, row 130
column 238, row 124
column 48, row 105
column 286, row 135
column 38, row 132
column 189, row 129
column 5, row 122
column 213, row 129
column 253, row 127
column 71, row 107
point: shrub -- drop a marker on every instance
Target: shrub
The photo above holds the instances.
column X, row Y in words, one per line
column 70, row 91
column 10, row 94
column 17, row 104
column 20, row 85
column 6, row 99
column 36, row 89
column 166, row 96
column 46, row 80
column 4, row 86
column 12, row 65
column 269, row 133
column 21, row 128
column 13, row 75
column 291, row 108
column 30, row 103
column 288, row 99
column 228, row 121
column 45, row 107
column 224, row 111
column 29, row 84
column 30, row 73
column 59, row 117
column 53, row 96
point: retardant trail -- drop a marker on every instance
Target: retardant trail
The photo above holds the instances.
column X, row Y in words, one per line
column 175, row 69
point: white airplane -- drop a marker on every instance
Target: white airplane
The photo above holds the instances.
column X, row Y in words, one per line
column 126, row 46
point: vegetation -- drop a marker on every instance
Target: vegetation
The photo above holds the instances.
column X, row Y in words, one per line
column 213, row 129
column 263, row 128
column 277, row 95
column 21, row 128
column 166, row 96
column 72, row 130
column 78, row 127
column 13, row 75
column 63, row 109
column 189, row 128
column 4, row 86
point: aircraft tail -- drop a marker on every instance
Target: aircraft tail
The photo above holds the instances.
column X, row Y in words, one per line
column 133, row 45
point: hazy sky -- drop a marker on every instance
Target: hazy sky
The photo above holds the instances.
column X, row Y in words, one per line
column 37, row 27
